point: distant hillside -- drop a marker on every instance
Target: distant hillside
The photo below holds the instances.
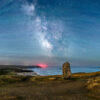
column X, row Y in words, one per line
column 19, row 66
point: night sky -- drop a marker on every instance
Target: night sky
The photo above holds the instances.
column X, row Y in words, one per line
column 50, row 32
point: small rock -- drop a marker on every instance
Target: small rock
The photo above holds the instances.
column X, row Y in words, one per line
column 52, row 78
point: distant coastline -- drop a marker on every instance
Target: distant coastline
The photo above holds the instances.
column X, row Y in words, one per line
column 19, row 70
column 19, row 66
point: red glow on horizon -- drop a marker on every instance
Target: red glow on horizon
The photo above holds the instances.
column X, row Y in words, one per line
column 43, row 65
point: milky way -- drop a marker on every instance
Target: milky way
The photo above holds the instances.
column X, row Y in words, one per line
column 49, row 32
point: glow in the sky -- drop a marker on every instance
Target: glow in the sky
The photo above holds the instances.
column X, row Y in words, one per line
column 42, row 65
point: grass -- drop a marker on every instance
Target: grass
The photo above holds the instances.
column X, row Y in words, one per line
column 54, row 87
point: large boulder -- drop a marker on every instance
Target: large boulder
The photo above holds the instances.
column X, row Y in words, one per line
column 66, row 70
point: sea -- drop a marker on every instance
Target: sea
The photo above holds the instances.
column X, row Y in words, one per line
column 54, row 70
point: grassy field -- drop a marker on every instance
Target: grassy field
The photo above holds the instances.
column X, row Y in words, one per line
column 82, row 86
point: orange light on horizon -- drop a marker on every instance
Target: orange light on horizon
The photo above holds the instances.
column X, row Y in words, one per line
column 42, row 65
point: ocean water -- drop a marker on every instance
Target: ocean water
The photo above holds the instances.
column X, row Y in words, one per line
column 58, row 70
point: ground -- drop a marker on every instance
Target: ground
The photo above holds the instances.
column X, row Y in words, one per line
column 79, row 87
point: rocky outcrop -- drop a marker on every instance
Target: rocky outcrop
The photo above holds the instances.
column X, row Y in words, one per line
column 66, row 70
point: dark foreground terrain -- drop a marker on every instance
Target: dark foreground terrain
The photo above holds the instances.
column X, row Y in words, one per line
column 82, row 86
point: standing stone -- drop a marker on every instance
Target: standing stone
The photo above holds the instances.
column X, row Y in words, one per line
column 66, row 70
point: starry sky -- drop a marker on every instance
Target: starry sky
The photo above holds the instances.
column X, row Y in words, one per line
column 50, row 32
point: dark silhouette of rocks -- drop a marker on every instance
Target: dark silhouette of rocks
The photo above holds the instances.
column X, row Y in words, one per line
column 66, row 70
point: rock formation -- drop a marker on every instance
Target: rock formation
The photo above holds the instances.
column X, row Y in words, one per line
column 66, row 70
